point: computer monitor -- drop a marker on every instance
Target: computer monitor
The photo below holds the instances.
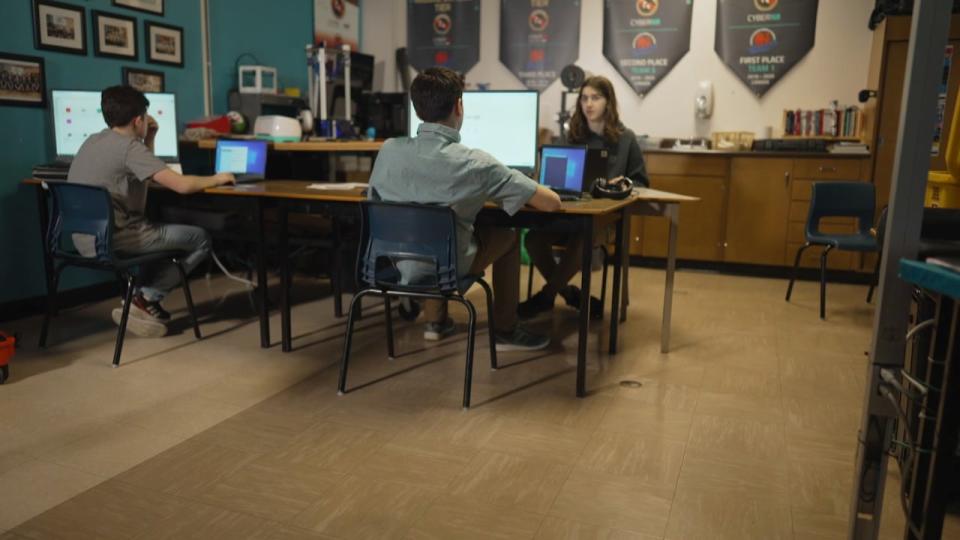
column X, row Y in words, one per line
column 502, row 123
column 245, row 159
column 76, row 115
column 562, row 167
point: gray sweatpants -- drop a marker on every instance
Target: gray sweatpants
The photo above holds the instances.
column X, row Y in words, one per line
column 158, row 279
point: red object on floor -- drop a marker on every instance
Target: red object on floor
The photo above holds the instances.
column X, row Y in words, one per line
column 7, row 346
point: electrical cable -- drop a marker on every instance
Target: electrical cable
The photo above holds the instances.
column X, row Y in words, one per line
column 227, row 273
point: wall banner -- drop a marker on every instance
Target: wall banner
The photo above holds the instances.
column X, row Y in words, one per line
column 644, row 39
column 538, row 38
column 443, row 33
column 761, row 40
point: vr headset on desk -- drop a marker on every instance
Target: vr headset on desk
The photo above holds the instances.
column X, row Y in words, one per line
column 611, row 189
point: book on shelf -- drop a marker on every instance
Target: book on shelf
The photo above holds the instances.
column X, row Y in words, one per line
column 845, row 122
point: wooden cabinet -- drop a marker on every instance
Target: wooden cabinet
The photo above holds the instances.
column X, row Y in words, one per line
column 700, row 235
column 752, row 207
column 701, row 223
column 758, row 203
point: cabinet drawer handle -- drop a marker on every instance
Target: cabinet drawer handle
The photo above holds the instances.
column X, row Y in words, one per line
column 827, row 169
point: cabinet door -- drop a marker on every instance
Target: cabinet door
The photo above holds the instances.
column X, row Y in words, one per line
column 757, row 209
column 701, row 223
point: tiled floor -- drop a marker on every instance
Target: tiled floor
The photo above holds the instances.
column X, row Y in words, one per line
column 746, row 429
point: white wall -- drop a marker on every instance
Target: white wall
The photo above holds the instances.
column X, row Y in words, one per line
column 836, row 68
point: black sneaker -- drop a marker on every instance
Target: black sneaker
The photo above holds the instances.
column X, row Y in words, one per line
column 535, row 305
column 153, row 309
column 521, row 340
column 572, row 296
column 434, row 331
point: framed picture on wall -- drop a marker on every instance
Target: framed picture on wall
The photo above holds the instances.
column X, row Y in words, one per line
column 164, row 43
column 22, row 80
column 59, row 27
column 114, row 35
column 143, row 80
column 150, row 6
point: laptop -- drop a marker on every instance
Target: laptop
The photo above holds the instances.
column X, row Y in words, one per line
column 562, row 169
column 247, row 160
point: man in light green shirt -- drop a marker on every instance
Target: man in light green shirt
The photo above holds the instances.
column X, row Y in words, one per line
column 434, row 168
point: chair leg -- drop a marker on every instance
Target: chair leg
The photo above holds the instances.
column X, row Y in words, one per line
column 471, row 334
column 185, row 283
column 490, row 324
column 793, row 274
column 51, row 305
column 388, row 312
column 875, row 279
column 823, row 282
column 347, row 342
column 121, row 332
column 530, row 280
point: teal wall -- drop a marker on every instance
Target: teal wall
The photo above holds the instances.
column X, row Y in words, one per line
column 25, row 133
column 274, row 32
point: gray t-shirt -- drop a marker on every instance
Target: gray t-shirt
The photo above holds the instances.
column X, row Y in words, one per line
column 122, row 164
column 434, row 168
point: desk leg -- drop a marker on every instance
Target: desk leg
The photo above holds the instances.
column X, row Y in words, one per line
column 586, row 260
column 286, row 342
column 262, row 292
column 618, row 268
column 672, row 213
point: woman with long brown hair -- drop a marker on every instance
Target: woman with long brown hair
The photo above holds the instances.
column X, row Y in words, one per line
column 595, row 124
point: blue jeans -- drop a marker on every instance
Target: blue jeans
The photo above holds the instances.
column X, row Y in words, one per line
column 158, row 279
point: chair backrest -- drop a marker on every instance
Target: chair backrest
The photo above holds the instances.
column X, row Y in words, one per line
column 395, row 234
column 80, row 209
column 842, row 199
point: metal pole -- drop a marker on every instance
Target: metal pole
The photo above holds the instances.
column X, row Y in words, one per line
column 928, row 37
column 205, row 52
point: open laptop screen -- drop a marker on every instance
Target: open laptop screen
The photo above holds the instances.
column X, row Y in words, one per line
column 242, row 157
column 562, row 167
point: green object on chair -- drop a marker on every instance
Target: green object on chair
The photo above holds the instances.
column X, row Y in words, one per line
column 524, row 256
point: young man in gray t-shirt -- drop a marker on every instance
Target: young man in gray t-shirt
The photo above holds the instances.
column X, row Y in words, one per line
column 120, row 159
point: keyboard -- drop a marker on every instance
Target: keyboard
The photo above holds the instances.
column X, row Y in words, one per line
column 51, row 171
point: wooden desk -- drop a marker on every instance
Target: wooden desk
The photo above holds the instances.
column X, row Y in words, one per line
column 579, row 216
column 309, row 146
column 576, row 217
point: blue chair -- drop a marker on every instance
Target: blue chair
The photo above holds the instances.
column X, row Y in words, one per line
column 88, row 210
column 837, row 199
column 395, row 233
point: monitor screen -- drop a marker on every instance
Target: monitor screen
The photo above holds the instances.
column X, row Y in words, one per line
column 242, row 157
column 561, row 167
column 77, row 115
column 502, row 123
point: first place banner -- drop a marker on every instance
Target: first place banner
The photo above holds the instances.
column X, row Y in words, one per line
column 443, row 33
column 761, row 40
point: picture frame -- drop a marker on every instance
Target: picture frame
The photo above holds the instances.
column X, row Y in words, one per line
column 148, row 6
column 22, row 80
column 114, row 35
column 144, row 80
column 164, row 43
column 59, row 27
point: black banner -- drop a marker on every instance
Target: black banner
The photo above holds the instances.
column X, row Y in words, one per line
column 644, row 39
column 761, row 40
column 443, row 33
column 538, row 38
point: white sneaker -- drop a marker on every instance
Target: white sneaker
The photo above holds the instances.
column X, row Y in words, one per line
column 437, row 331
column 140, row 326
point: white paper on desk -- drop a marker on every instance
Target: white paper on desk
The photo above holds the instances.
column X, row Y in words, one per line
column 338, row 186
